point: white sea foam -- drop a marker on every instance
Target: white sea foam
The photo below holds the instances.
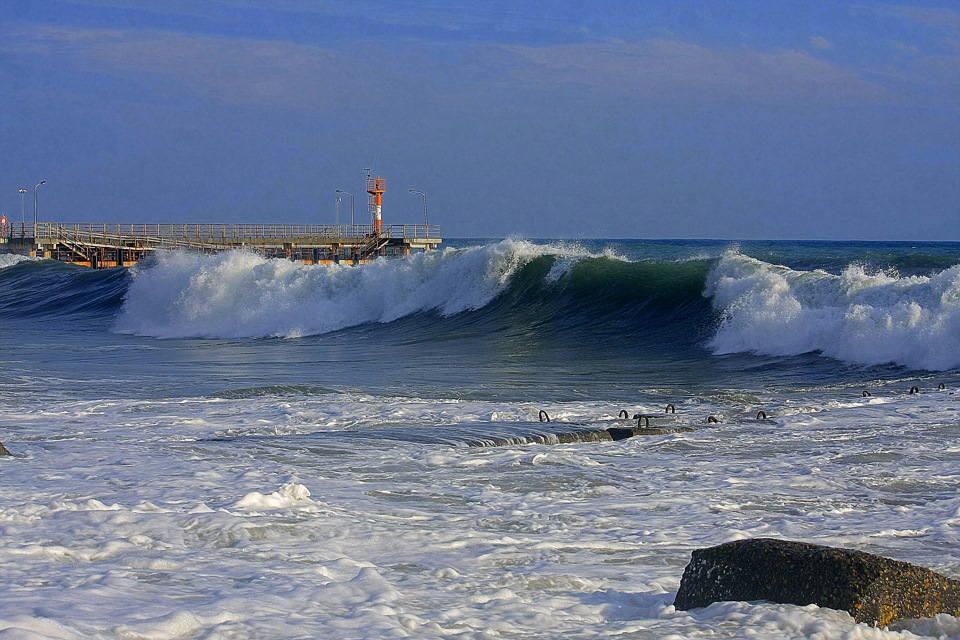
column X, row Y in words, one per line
column 240, row 294
column 858, row 317
column 164, row 529
column 10, row 259
column 288, row 496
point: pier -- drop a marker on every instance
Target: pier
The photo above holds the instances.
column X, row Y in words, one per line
column 101, row 245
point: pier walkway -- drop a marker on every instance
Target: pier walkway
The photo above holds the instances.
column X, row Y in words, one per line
column 110, row 245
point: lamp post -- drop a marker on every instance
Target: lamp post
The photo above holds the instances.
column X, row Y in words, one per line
column 35, row 208
column 370, row 197
column 346, row 193
column 426, row 223
column 23, row 220
column 338, row 211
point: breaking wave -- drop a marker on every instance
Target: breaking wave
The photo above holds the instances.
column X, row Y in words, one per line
column 857, row 316
column 863, row 313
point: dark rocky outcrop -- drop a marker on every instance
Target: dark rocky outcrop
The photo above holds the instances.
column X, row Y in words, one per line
column 872, row 588
column 3, row 450
column 622, row 433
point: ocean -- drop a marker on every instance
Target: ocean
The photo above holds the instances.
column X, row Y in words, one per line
column 225, row 446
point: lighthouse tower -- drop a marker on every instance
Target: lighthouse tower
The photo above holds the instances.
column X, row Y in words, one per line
column 376, row 187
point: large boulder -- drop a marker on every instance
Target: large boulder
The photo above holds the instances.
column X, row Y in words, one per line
column 873, row 589
column 3, row 450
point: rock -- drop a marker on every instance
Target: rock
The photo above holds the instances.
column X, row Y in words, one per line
column 622, row 433
column 3, row 450
column 872, row 588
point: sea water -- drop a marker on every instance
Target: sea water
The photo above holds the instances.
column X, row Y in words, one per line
column 233, row 447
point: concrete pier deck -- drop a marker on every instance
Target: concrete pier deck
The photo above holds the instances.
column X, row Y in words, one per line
column 102, row 245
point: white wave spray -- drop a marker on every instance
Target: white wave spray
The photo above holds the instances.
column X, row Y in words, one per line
column 240, row 294
column 10, row 259
column 858, row 317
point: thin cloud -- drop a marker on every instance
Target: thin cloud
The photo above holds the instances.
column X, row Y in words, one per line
column 940, row 18
column 235, row 70
column 282, row 73
column 659, row 66
column 819, row 42
column 905, row 48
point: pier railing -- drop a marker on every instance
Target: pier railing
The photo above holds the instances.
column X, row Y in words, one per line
column 215, row 233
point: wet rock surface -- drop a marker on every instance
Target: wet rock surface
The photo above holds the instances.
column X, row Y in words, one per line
column 873, row 589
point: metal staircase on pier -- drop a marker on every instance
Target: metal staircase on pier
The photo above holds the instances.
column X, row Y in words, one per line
column 374, row 245
column 80, row 250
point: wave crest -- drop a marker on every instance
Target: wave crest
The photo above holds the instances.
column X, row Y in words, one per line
column 240, row 294
column 858, row 317
column 10, row 259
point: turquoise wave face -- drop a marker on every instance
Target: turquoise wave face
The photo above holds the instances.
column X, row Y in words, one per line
column 507, row 288
column 600, row 299
column 680, row 300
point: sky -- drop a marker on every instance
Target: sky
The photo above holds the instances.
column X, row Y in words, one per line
column 532, row 118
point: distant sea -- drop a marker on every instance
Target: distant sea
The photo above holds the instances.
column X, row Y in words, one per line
column 228, row 446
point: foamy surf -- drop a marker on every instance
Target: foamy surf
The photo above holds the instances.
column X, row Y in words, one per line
column 858, row 317
column 240, row 294
column 151, row 523
column 10, row 259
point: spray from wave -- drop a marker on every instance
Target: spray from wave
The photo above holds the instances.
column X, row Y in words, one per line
column 858, row 317
column 11, row 259
column 240, row 294
column 732, row 304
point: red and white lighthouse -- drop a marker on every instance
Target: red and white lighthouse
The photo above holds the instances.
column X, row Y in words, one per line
column 376, row 187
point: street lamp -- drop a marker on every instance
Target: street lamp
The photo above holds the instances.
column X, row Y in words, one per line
column 23, row 220
column 35, row 207
column 338, row 210
column 346, row 193
column 425, row 222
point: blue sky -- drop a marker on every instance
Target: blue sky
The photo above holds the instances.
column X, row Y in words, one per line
column 570, row 119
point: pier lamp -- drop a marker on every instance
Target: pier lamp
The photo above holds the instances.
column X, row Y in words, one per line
column 338, row 211
column 23, row 220
column 425, row 222
column 35, row 207
column 346, row 193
